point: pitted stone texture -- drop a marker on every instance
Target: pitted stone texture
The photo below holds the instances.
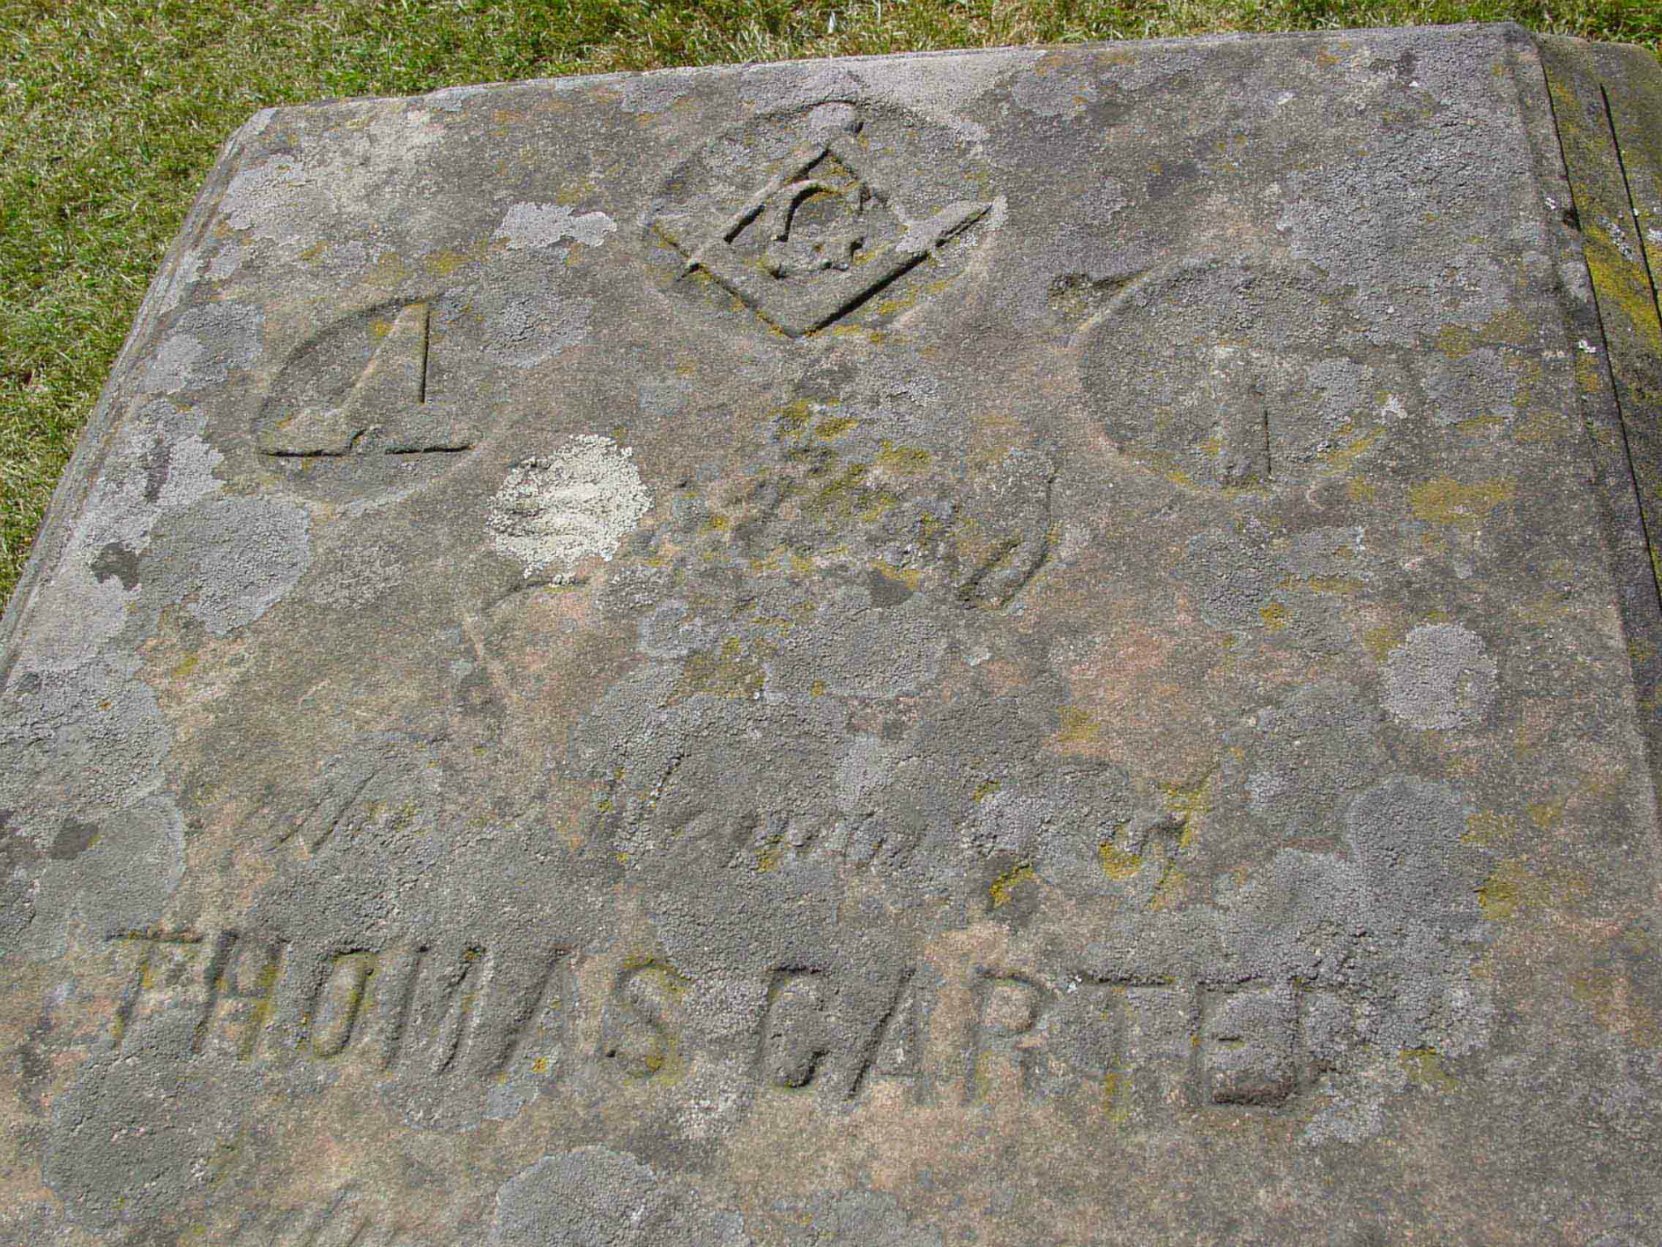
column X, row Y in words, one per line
column 1024, row 647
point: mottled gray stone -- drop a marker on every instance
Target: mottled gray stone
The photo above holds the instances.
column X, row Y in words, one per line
column 1018, row 647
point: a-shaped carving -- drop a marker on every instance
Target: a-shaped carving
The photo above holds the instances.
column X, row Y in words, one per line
column 821, row 236
column 352, row 413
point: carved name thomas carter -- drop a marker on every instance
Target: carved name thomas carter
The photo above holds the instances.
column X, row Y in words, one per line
column 464, row 1013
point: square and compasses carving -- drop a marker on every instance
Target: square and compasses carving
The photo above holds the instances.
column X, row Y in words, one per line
column 819, row 238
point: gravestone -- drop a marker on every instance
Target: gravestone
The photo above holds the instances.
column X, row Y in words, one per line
column 1017, row 647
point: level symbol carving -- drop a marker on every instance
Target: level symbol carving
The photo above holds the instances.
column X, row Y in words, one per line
column 354, row 412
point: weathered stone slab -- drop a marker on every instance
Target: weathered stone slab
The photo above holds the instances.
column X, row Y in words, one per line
column 1027, row 647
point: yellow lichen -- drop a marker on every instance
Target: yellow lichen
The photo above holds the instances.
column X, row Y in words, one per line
column 1188, row 802
column 729, row 672
column 846, row 495
column 1002, row 889
column 1169, row 891
column 1380, row 641
column 1589, row 373
column 1624, row 284
column 1116, row 1096
column 911, row 577
column 1117, row 863
column 794, row 418
column 1488, row 830
column 1424, row 1067
column 1608, row 994
column 1502, row 893
column 1544, row 424
column 834, row 426
column 901, row 460
column 1077, row 727
column 1546, row 814
column 1445, row 500
column 444, row 263
column 1341, row 585
column 1342, row 457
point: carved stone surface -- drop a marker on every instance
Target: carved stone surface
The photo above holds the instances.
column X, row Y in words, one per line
column 1025, row 648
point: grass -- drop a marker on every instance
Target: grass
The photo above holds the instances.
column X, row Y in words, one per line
column 110, row 115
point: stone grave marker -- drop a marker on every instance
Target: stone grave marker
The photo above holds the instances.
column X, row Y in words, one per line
column 1018, row 647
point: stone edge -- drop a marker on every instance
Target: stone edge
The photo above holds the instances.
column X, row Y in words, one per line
column 1603, row 105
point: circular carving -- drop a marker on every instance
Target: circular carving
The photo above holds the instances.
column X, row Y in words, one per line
column 1227, row 374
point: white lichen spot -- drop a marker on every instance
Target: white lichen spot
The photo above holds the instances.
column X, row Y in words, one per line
column 451, row 99
column 557, row 510
column 1440, row 677
column 263, row 197
column 530, row 225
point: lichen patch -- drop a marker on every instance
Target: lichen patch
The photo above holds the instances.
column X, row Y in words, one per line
column 1440, row 677
column 531, row 225
column 575, row 504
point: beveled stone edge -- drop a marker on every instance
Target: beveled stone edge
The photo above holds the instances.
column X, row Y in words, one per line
column 1614, row 331
column 69, row 495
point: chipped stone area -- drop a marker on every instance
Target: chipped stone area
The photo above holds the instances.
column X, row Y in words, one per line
column 1017, row 647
